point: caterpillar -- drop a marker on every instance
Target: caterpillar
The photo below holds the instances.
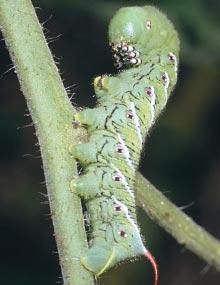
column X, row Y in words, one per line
column 145, row 49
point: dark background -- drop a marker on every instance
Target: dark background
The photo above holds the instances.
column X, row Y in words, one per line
column 182, row 156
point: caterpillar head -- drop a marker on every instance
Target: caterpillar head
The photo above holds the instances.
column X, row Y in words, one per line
column 135, row 32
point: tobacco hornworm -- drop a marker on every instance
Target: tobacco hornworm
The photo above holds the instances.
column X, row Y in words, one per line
column 145, row 48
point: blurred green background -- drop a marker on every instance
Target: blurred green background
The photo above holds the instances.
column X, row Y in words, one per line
column 182, row 156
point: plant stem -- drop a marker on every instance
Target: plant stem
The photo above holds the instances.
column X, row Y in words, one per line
column 177, row 223
column 52, row 113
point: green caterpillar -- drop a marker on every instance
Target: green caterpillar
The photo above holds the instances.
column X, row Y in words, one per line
column 145, row 47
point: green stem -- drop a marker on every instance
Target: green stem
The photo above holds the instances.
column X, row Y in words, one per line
column 177, row 223
column 52, row 113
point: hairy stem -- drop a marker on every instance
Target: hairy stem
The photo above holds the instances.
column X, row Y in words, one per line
column 52, row 113
column 177, row 223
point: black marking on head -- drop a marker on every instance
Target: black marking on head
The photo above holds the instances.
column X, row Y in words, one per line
column 148, row 25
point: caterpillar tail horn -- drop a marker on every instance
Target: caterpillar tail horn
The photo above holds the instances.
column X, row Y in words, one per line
column 154, row 265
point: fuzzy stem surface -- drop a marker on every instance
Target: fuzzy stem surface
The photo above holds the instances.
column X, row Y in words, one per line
column 177, row 223
column 52, row 115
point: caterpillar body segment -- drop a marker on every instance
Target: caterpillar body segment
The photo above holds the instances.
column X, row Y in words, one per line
column 145, row 49
column 112, row 227
column 102, row 146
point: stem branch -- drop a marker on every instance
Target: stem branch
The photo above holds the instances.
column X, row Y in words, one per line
column 177, row 223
